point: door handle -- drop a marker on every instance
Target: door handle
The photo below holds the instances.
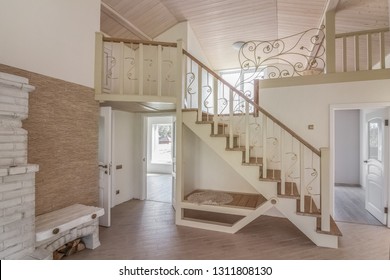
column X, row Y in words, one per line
column 104, row 166
column 366, row 161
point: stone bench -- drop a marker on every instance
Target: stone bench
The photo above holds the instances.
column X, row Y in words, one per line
column 59, row 227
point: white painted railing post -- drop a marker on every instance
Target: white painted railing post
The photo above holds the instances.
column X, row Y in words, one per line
column 282, row 170
column 264, row 166
column 215, row 105
column 330, row 41
column 159, row 70
column 231, row 119
column 382, row 50
column 302, row 177
column 325, row 190
column 247, row 156
column 369, row 51
column 345, row 68
column 99, row 57
column 121, row 67
column 200, row 103
column 141, row 69
column 178, row 134
column 357, row 53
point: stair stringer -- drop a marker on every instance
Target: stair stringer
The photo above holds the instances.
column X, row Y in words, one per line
column 286, row 206
column 306, row 224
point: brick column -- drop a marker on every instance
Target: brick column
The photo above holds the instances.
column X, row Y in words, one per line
column 17, row 177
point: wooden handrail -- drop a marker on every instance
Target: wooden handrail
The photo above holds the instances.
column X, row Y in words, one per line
column 144, row 42
column 256, row 106
column 372, row 31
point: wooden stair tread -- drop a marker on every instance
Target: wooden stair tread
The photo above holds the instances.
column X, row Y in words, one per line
column 221, row 219
column 291, row 190
column 311, row 208
column 253, row 161
column 334, row 229
column 240, row 200
column 273, row 175
column 223, row 135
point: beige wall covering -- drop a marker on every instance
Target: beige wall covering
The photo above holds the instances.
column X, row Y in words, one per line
column 63, row 140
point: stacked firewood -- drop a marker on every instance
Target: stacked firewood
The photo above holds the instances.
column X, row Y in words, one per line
column 68, row 249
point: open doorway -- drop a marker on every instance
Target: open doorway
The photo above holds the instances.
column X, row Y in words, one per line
column 159, row 158
column 354, row 193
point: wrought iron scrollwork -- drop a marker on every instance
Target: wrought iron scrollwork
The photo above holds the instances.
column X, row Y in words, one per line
column 285, row 57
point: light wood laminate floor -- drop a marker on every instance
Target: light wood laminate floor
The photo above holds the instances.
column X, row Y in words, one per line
column 146, row 230
column 350, row 206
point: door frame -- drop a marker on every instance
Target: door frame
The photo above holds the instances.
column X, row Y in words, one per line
column 106, row 114
column 144, row 148
column 332, row 119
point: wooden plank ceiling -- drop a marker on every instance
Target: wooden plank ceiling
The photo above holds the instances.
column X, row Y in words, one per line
column 219, row 23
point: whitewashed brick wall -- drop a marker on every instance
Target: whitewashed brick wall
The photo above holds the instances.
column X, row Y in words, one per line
column 17, row 178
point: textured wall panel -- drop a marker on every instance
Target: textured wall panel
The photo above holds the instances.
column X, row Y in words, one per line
column 63, row 139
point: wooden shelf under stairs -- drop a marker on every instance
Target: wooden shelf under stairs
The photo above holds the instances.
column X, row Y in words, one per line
column 228, row 215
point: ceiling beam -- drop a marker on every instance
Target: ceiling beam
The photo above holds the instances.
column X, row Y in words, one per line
column 108, row 10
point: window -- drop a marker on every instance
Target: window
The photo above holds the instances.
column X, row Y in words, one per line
column 162, row 143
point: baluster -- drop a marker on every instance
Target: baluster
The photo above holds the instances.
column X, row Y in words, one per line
column 159, row 72
column 302, row 176
column 325, row 193
column 357, row 53
column 382, row 50
column 247, row 156
column 200, row 117
column 99, row 62
column 215, row 105
column 369, row 51
column 231, row 119
column 345, row 68
column 282, row 171
column 264, row 167
column 186, row 94
column 121, row 67
column 141, row 69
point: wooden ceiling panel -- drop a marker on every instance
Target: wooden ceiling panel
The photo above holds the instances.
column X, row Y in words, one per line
column 219, row 23
column 357, row 15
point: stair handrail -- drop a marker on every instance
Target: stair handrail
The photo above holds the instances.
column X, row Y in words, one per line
column 144, row 42
column 256, row 106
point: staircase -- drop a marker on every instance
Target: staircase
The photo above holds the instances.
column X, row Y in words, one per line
column 288, row 202
column 285, row 171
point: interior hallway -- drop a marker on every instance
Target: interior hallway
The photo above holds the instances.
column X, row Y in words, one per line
column 146, row 230
column 159, row 187
column 350, row 206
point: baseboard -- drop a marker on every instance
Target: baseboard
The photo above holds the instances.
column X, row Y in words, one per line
column 347, row 185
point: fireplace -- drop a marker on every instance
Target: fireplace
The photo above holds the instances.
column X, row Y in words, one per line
column 17, row 177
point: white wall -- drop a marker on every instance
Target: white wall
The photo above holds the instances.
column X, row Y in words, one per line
column 55, row 38
column 204, row 169
column 123, row 153
column 183, row 31
column 300, row 106
column 347, row 147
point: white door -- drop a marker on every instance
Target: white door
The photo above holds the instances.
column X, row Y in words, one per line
column 105, row 162
column 376, row 177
